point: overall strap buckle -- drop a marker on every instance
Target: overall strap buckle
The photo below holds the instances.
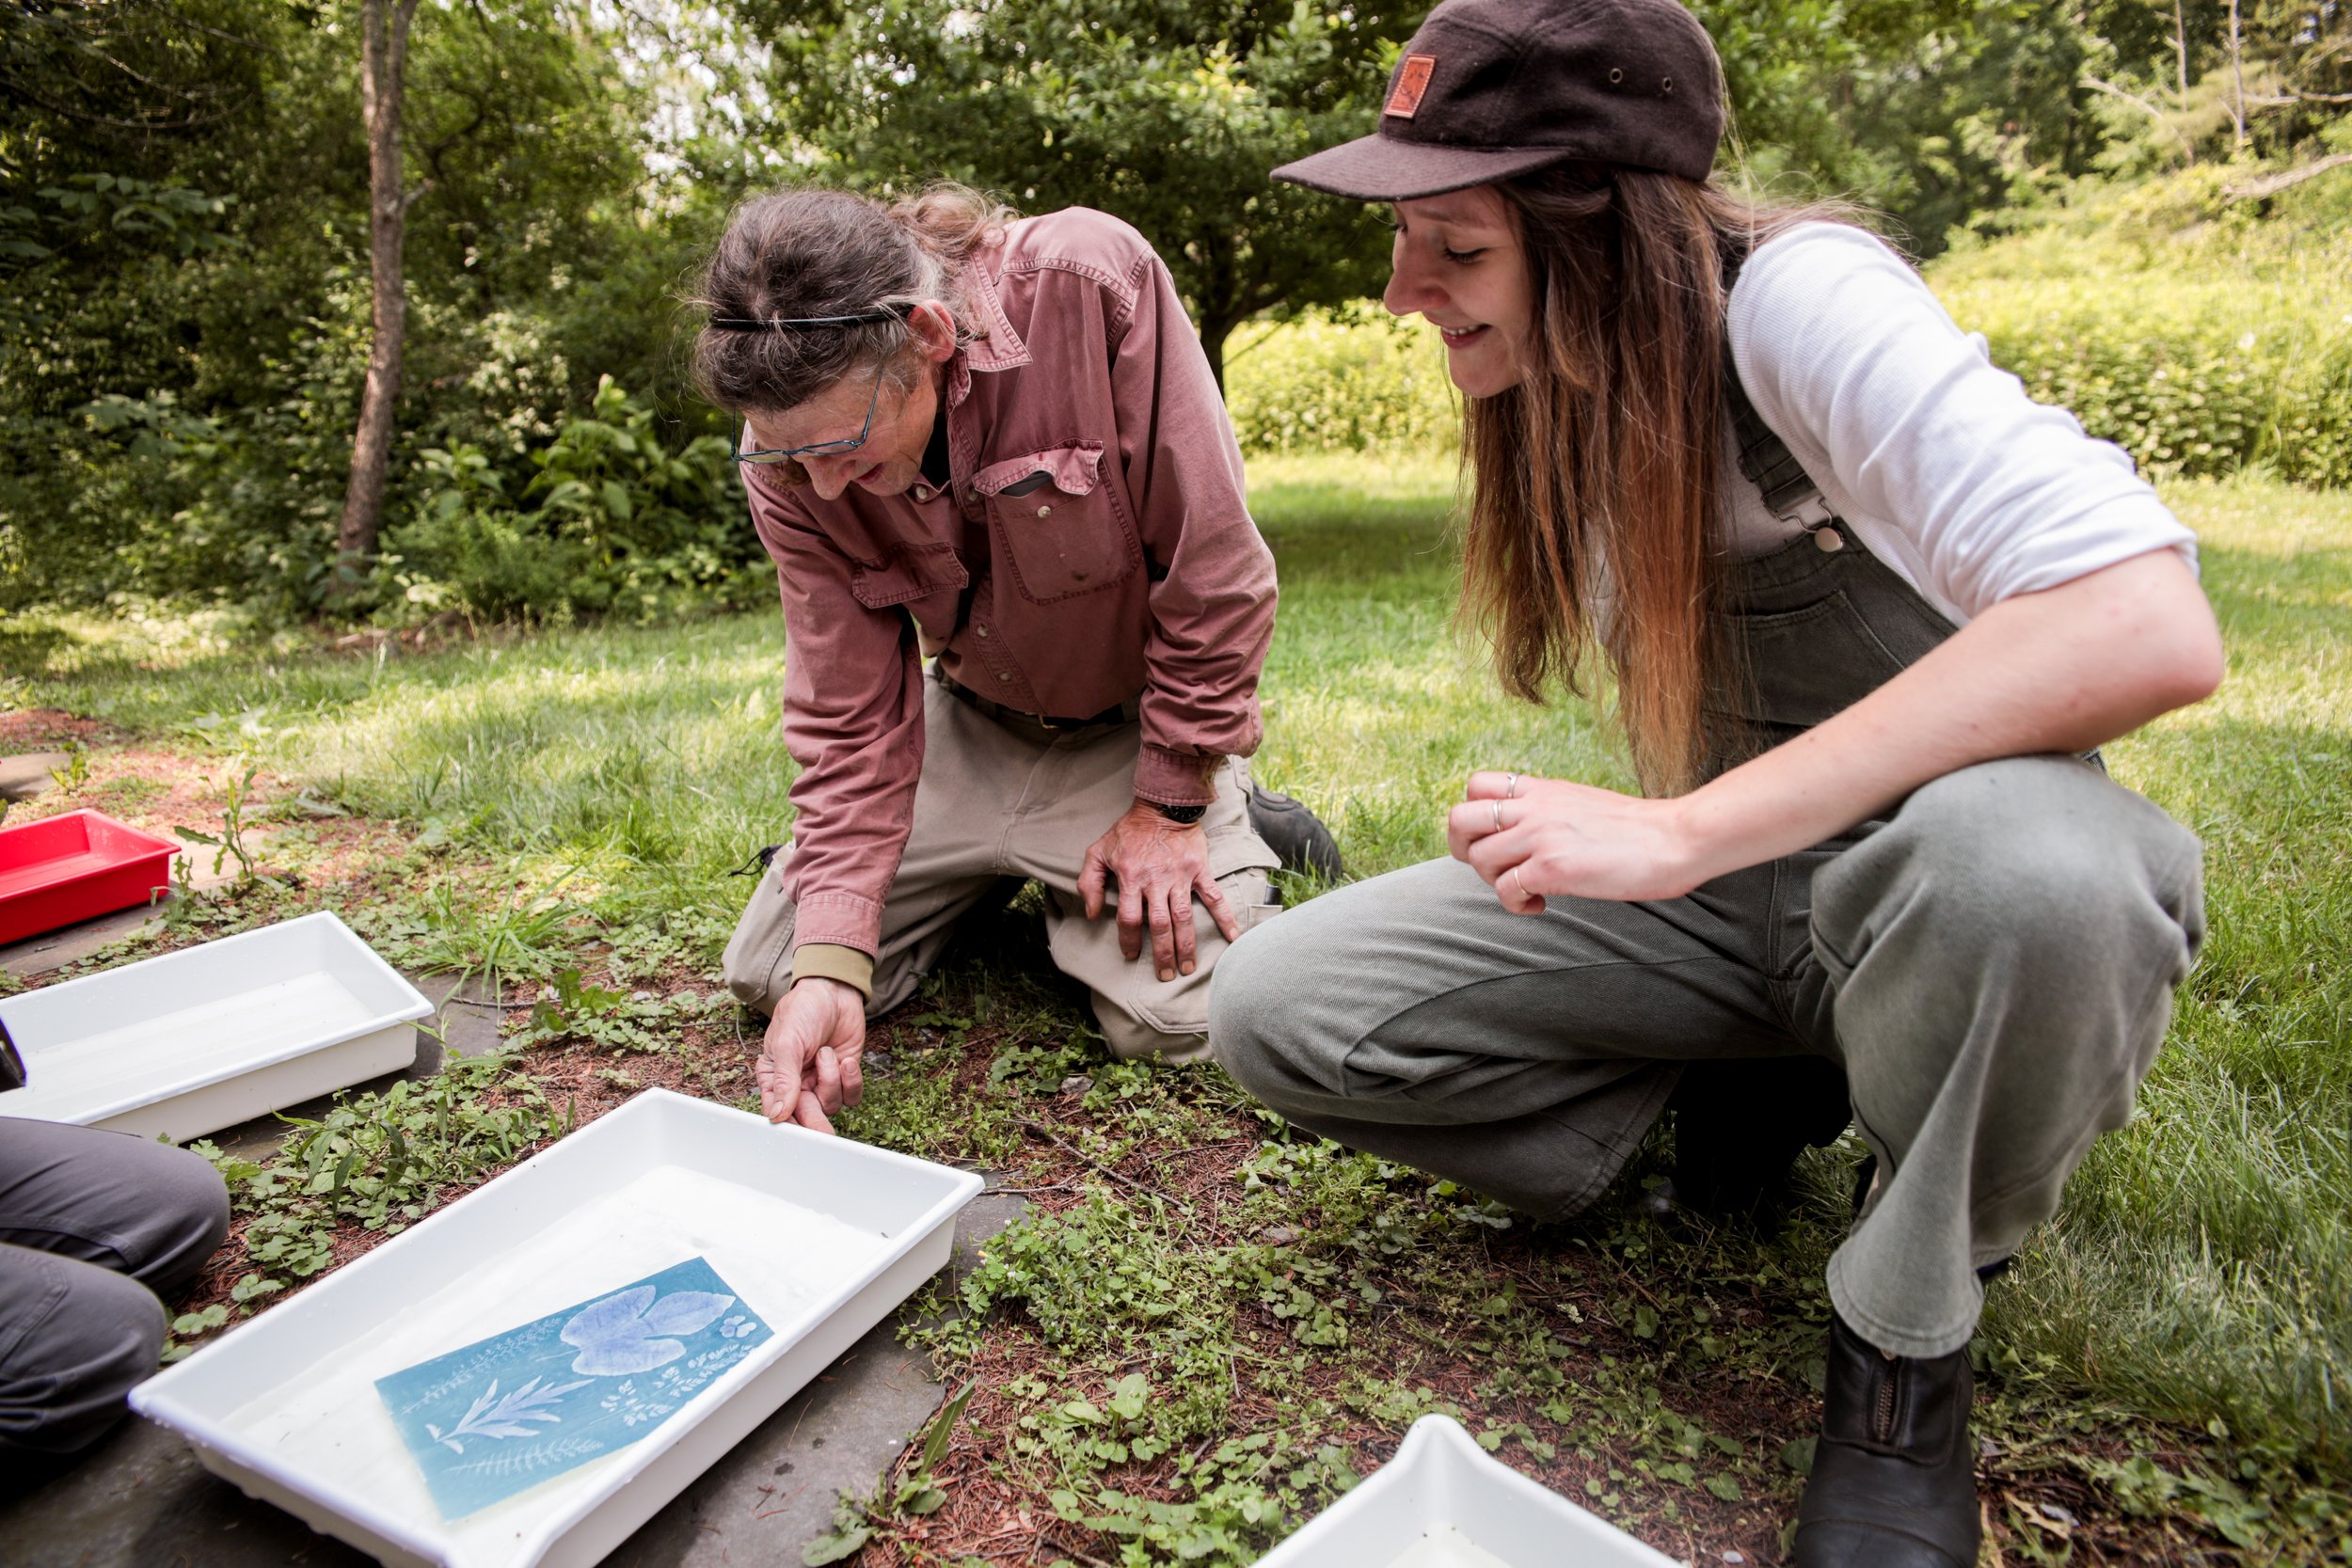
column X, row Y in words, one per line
column 1764, row 457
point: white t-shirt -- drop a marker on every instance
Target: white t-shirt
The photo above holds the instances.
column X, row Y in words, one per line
column 1938, row 460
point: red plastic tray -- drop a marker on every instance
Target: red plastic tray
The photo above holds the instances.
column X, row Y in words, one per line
column 72, row 868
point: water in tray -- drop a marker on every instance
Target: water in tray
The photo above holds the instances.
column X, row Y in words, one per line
column 251, row 1026
column 1445, row 1546
column 785, row 1260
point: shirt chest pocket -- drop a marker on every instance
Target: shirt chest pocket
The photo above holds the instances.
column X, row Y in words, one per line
column 1064, row 530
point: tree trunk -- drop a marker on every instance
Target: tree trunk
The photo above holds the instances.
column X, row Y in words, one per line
column 384, row 61
column 1214, row 331
column 2237, row 73
column 2180, row 51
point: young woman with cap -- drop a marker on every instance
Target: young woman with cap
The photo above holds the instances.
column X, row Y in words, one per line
column 1868, row 611
column 993, row 443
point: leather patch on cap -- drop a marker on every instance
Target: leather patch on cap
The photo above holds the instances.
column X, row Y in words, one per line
column 1411, row 83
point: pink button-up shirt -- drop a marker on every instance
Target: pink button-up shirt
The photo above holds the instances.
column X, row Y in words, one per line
column 1094, row 546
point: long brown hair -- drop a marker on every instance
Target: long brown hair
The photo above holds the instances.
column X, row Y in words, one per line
column 816, row 252
column 1592, row 526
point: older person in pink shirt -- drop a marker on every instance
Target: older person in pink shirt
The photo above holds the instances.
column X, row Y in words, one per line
column 991, row 443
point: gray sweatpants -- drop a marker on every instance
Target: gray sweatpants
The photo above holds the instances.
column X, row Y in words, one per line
column 93, row 1226
column 1994, row 967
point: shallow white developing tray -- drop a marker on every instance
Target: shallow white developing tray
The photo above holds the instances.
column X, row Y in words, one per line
column 820, row 1236
column 1445, row 1502
column 193, row 1041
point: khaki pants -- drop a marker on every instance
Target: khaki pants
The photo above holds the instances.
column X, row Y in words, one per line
column 1010, row 799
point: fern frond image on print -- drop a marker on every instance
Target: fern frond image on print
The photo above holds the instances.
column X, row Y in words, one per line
column 501, row 1415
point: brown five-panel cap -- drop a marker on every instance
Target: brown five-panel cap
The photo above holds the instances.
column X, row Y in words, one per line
column 1490, row 89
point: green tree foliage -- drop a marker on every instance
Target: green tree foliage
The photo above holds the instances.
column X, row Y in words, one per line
column 186, row 274
column 1968, row 114
column 183, row 200
column 1167, row 113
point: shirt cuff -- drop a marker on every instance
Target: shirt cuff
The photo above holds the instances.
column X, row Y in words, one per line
column 826, row 961
column 1175, row 778
column 841, row 919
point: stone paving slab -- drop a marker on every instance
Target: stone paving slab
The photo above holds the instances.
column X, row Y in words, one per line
column 27, row 774
column 50, row 950
column 140, row 1498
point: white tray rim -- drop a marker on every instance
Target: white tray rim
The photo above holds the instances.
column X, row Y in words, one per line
column 1431, row 1438
column 417, row 1007
column 154, row 1398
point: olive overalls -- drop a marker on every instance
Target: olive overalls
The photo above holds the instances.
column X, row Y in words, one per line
column 1992, row 966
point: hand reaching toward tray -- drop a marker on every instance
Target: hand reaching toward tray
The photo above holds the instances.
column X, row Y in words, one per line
column 808, row 1064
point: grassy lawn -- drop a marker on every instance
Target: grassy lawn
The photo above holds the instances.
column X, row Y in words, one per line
column 1210, row 1325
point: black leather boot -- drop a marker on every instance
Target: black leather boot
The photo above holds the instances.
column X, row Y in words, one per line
column 1894, row 1476
column 1295, row 834
column 1740, row 1125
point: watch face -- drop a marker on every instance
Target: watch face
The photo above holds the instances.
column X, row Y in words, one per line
column 1181, row 814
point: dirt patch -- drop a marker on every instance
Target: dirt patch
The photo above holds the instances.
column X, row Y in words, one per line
column 46, row 729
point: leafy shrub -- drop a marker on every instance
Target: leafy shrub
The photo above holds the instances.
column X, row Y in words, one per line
column 2193, row 378
column 2198, row 331
column 613, row 520
column 1327, row 383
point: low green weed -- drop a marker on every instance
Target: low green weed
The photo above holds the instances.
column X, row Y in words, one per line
column 506, row 924
column 76, row 773
column 381, row 1160
column 570, row 1008
column 235, row 818
column 1232, row 1504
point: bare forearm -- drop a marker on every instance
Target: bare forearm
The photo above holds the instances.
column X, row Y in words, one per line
column 2061, row 670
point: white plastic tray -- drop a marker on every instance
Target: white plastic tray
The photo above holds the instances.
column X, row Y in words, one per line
column 1444, row 1503
column 203, row 1038
column 820, row 1236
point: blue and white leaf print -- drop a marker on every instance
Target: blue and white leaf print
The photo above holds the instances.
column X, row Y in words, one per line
column 506, row 1417
column 502, row 1414
column 631, row 1332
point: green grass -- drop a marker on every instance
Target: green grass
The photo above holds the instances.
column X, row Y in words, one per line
column 1376, row 713
column 2202, row 1267
column 2202, row 1271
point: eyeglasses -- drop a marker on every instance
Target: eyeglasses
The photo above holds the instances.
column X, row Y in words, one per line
column 788, row 454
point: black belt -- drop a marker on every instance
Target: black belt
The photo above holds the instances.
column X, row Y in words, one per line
column 1123, row 713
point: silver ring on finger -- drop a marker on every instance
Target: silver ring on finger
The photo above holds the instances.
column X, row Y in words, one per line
column 1511, row 788
column 1518, row 882
column 1497, row 807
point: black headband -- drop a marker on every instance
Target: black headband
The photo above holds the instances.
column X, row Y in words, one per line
column 794, row 323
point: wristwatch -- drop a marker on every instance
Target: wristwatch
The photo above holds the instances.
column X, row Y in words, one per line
column 1186, row 815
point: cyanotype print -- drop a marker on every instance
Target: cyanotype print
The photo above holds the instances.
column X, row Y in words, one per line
column 509, row 1412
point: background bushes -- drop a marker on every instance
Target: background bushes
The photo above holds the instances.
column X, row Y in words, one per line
column 1362, row 381
column 617, row 517
column 2202, row 333
column 2200, row 330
